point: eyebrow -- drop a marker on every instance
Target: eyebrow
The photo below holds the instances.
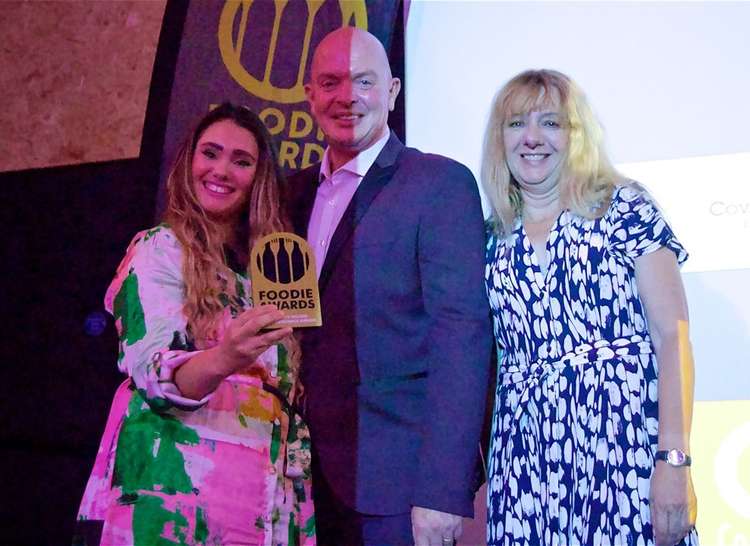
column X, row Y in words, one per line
column 327, row 75
column 370, row 73
column 346, row 75
column 236, row 151
column 541, row 113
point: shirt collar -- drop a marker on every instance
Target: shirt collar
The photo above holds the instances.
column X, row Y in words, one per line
column 359, row 164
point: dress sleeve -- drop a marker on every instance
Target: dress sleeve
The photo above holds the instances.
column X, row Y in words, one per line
column 639, row 227
column 146, row 299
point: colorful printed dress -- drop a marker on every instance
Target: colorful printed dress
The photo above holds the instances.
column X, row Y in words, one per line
column 575, row 421
column 232, row 468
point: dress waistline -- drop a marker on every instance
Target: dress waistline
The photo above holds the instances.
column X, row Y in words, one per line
column 585, row 353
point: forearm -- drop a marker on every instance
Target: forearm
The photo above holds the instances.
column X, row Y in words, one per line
column 240, row 347
column 675, row 388
column 672, row 497
column 200, row 375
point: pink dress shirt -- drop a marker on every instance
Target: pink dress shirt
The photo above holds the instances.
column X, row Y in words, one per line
column 334, row 194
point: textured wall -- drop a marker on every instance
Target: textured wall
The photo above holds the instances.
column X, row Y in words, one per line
column 75, row 76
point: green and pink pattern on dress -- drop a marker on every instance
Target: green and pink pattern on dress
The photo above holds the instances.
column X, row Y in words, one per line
column 232, row 468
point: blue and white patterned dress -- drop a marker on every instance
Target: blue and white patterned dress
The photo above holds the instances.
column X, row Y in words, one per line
column 575, row 421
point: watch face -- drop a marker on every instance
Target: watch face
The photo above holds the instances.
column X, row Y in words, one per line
column 675, row 457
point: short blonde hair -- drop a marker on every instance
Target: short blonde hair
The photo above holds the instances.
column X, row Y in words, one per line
column 587, row 179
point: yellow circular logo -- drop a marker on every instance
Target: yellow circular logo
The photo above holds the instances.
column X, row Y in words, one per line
column 233, row 25
column 727, row 470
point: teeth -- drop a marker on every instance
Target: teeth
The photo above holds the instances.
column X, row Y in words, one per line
column 217, row 189
column 534, row 157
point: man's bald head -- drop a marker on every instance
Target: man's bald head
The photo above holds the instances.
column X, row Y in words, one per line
column 351, row 91
column 351, row 41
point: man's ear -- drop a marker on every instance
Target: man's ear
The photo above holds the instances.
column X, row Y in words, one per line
column 309, row 93
column 393, row 93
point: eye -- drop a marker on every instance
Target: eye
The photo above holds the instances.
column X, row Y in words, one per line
column 244, row 163
column 328, row 84
column 364, row 83
column 551, row 123
column 209, row 153
column 515, row 123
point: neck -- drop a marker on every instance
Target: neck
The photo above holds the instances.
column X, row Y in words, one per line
column 338, row 157
column 541, row 205
column 341, row 155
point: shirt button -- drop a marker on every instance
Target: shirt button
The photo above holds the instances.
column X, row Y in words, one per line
column 322, row 242
column 332, row 202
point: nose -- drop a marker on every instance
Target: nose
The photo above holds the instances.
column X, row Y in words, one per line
column 532, row 136
column 220, row 169
column 345, row 93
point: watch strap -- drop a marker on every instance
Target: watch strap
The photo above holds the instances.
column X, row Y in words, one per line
column 673, row 457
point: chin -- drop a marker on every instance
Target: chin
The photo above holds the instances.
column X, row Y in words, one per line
column 222, row 213
column 342, row 137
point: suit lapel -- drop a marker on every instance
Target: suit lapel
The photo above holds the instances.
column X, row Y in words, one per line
column 374, row 181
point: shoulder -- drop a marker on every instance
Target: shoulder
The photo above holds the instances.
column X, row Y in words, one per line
column 153, row 247
column 437, row 171
column 152, row 253
column 630, row 191
column 417, row 158
column 638, row 225
column 628, row 197
column 160, row 238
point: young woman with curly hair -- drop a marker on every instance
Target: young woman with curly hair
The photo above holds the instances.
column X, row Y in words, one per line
column 203, row 445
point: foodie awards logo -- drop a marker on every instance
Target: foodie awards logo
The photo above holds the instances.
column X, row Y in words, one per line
column 243, row 37
column 282, row 268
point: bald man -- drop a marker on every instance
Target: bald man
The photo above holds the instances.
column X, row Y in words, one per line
column 395, row 379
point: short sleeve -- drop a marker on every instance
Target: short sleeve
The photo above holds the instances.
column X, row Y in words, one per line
column 146, row 299
column 638, row 227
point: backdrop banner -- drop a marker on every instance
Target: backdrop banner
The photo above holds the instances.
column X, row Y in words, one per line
column 257, row 53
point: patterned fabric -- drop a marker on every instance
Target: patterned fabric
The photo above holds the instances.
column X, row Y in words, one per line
column 232, row 468
column 575, row 421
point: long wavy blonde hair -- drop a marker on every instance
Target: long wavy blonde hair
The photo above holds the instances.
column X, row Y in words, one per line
column 205, row 266
column 587, row 178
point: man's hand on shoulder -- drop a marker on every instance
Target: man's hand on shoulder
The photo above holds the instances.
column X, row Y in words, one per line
column 433, row 528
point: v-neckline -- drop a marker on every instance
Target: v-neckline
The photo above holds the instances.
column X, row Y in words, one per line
column 541, row 276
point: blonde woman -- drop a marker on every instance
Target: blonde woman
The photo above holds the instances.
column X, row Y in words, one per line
column 590, row 440
column 202, row 445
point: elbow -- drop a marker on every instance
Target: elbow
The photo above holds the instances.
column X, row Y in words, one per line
column 666, row 333
column 673, row 338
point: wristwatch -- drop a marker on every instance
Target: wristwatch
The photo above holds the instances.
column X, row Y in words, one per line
column 673, row 457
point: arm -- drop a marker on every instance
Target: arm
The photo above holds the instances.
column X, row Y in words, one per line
column 241, row 345
column 146, row 299
column 673, row 502
column 451, row 261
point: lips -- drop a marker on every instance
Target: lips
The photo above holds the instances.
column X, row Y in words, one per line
column 534, row 157
column 347, row 118
column 220, row 189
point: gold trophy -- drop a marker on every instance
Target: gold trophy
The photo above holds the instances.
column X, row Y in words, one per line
column 282, row 271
